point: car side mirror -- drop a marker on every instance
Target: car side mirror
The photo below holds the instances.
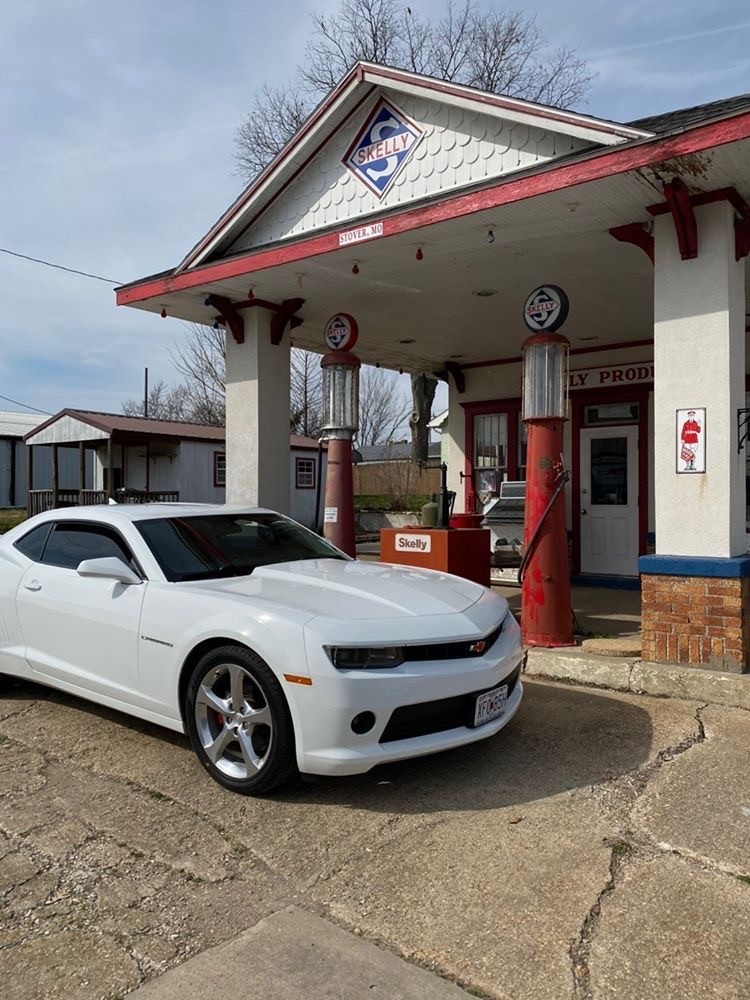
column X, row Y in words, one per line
column 110, row 568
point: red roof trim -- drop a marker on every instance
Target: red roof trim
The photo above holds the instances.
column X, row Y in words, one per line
column 519, row 106
column 554, row 177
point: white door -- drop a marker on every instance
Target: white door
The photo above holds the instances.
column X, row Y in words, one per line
column 82, row 630
column 609, row 501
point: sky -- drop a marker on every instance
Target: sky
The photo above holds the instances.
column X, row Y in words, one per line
column 117, row 123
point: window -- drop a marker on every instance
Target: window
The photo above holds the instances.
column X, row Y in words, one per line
column 610, row 413
column 32, row 543
column 304, row 473
column 490, row 452
column 70, row 544
column 209, row 546
column 220, row 468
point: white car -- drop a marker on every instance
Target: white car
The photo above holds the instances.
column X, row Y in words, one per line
column 270, row 648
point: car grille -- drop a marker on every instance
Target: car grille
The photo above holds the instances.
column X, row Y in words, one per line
column 438, row 716
column 452, row 650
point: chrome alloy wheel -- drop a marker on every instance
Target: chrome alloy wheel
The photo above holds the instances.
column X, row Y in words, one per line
column 233, row 720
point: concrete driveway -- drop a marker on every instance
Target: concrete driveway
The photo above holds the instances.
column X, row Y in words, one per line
column 598, row 847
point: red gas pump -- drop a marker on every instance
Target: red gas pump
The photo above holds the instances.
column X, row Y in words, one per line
column 341, row 417
column 546, row 615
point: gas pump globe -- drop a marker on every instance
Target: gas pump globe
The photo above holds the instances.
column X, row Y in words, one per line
column 546, row 616
column 341, row 421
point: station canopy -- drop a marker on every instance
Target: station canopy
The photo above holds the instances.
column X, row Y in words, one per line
column 429, row 210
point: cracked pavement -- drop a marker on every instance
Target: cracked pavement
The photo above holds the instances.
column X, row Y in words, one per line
column 599, row 847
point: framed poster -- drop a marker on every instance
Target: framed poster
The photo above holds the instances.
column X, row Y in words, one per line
column 690, row 441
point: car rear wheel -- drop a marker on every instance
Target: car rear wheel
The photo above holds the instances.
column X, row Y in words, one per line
column 238, row 721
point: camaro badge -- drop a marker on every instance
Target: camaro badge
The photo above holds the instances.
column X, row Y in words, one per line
column 382, row 147
column 478, row 647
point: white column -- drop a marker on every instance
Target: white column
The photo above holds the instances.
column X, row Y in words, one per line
column 699, row 357
column 257, row 443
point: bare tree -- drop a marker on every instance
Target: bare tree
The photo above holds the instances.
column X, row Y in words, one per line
column 501, row 51
column 382, row 407
column 423, row 390
column 200, row 397
column 165, row 402
column 201, row 360
column 305, row 393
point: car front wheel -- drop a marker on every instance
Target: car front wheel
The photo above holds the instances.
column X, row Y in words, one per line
column 238, row 721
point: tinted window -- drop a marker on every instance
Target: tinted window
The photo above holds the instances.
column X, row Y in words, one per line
column 70, row 544
column 213, row 545
column 32, row 543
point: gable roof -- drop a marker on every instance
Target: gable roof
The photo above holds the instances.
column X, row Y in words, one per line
column 16, row 425
column 120, row 423
column 670, row 121
column 346, row 98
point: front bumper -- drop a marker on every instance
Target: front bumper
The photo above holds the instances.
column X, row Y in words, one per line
column 327, row 745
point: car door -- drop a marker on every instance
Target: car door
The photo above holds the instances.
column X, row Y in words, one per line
column 82, row 631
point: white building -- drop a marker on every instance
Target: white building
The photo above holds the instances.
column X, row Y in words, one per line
column 89, row 456
column 429, row 211
column 14, row 457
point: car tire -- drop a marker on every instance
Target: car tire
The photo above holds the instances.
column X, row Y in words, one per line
column 238, row 721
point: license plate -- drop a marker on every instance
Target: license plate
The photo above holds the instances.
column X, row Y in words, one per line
column 490, row 705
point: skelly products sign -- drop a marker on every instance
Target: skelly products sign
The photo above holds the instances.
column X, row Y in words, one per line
column 382, row 147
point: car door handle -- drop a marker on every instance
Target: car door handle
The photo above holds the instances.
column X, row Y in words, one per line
column 33, row 585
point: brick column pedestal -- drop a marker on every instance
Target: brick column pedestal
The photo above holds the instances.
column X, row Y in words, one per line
column 696, row 611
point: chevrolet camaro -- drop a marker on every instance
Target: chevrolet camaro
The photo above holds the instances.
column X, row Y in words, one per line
column 272, row 650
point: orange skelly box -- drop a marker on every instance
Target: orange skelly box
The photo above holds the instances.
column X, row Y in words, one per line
column 462, row 551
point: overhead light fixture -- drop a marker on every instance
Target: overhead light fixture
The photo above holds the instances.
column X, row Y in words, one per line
column 407, row 340
column 490, row 236
column 485, row 293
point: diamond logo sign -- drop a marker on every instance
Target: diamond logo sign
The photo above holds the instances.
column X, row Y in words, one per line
column 382, row 147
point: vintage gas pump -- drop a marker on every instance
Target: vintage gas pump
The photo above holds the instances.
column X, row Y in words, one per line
column 341, row 420
column 546, row 616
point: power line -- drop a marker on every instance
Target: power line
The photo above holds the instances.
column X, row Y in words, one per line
column 59, row 267
column 16, row 403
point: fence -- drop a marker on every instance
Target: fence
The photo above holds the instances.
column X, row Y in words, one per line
column 395, row 479
column 41, row 500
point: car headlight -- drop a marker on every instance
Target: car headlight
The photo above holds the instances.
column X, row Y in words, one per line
column 364, row 657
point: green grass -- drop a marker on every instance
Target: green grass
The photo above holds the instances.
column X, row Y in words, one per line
column 11, row 517
column 376, row 501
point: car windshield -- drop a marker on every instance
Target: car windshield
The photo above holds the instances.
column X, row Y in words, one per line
column 203, row 547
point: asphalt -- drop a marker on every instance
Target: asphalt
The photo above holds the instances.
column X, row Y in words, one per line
column 597, row 847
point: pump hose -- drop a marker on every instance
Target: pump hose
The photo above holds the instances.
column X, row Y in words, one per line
column 531, row 548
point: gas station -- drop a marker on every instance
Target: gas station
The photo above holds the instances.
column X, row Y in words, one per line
column 581, row 285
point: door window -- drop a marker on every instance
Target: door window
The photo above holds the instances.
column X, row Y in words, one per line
column 490, row 452
column 70, row 544
column 609, row 471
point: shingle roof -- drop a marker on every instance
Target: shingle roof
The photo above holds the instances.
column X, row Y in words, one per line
column 685, row 117
column 14, row 424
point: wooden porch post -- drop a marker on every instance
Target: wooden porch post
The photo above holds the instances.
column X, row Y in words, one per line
column 81, row 471
column 110, row 471
column 148, row 466
column 30, row 478
column 55, row 474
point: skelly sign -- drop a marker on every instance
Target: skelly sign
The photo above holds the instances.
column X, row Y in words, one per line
column 382, row 147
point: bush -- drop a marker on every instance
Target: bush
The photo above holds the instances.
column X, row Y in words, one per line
column 375, row 501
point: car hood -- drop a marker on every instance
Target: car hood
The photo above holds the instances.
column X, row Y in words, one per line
column 335, row 588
